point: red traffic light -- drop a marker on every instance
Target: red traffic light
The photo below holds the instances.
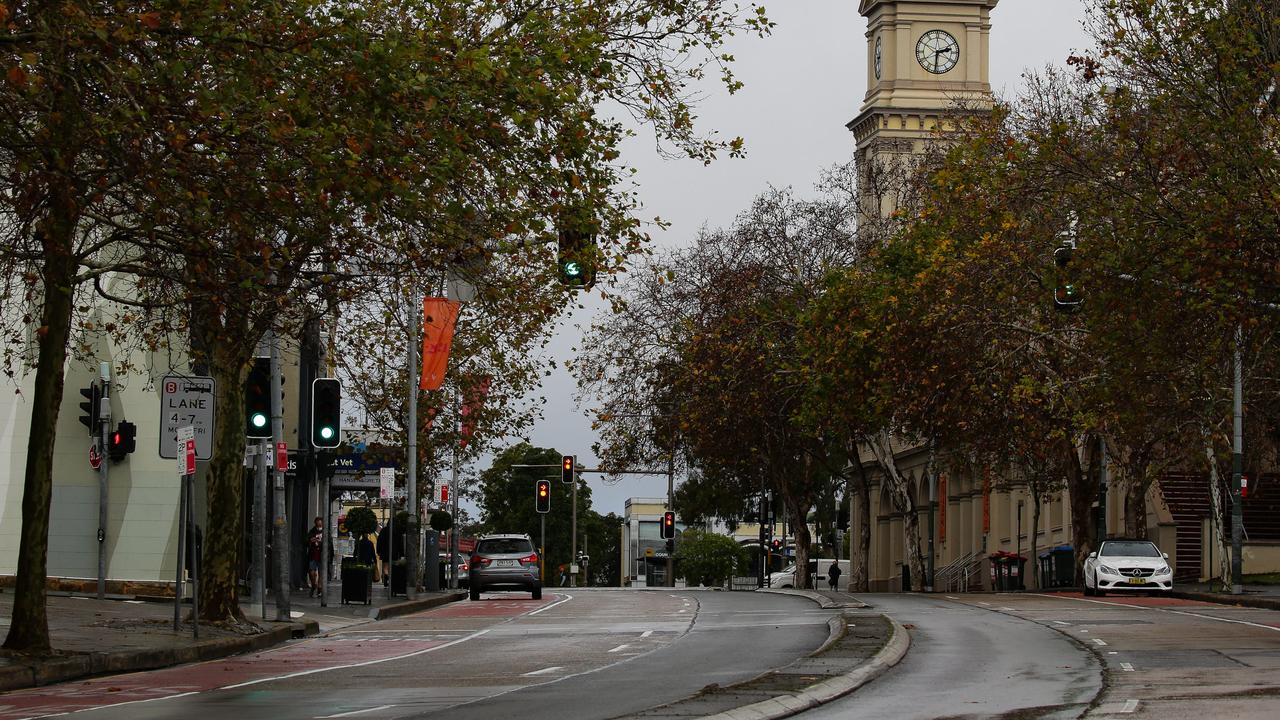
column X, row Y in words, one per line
column 668, row 525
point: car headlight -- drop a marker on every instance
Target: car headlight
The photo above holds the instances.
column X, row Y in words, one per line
column 1108, row 570
column 1162, row 570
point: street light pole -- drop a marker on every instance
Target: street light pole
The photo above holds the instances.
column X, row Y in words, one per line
column 1237, row 468
column 411, row 449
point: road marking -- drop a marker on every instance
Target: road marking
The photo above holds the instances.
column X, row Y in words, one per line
column 952, row 597
column 646, row 634
column 623, row 646
column 1127, row 667
column 1160, row 609
column 567, row 597
column 545, row 671
column 984, row 603
column 354, row 712
column 1129, row 706
column 1006, row 609
column 1100, row 641
column 1084, row 631
column 356, row 665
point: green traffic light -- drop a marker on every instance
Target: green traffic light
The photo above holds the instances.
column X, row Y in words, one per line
column 573, row 269
column 326, row 433
column 259, row 420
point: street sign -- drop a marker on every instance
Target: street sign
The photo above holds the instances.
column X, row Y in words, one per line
column 95, row 458
column 387, row 480
column 441, row 494
column 187, row 453
column 282, row 457
column 186, row 401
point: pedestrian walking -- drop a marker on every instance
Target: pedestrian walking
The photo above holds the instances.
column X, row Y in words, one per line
column 833, row 575
column 315, row 555
column 384, row 553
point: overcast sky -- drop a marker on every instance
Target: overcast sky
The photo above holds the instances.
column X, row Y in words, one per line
column 802, row 85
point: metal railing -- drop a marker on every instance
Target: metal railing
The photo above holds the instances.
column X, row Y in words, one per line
column 958, row 576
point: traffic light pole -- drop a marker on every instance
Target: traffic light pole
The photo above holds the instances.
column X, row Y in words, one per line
column 411, row 451
column 573, row 534
column 1237, row 469
column 104, row 427
column 281, row 545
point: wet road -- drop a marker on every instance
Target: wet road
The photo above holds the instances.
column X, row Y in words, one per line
column 589, row 654
column 968, row 661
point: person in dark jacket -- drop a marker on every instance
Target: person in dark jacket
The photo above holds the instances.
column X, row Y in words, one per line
column 833, row 576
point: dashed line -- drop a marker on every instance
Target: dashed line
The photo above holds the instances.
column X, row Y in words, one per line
column 1129, row 706
column 354, row 712
column 1006, row 609
column 544, row 671
column 1127, row 667
column 623, row 646
column 646, row 634
column 984, row 603
column 1099, row 641
column 1059, row 622
column 952, row 597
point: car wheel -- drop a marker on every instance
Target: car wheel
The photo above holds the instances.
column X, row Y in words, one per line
column 537, row 593
column 1088, row 591
column 475, row 592
column 1097, row 589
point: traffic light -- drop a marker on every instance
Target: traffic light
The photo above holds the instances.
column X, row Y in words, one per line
column 776, row 544
column 1066, row 294
column 668, row 525
column 542, row 496
column 576, row 258
column 91, row 407
column 123, row 441
column 257, row 400
column 566, row 469
column 326, row 412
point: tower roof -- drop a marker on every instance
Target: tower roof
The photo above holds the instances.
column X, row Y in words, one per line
column 866, row 6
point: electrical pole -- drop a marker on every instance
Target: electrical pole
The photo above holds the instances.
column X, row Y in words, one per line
column 104, row 427
column 1237, row 469
column 573, row 532
column 411, row 459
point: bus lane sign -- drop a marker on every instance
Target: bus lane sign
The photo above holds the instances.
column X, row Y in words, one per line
column 186, row 401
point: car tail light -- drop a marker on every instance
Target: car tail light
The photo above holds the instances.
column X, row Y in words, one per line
column 530, row 559
column 481, row 561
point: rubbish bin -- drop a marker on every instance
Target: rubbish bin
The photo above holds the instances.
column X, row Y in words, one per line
column 1064, row 566
column 1017, row 571
column 999, row 572
column 1044, row 563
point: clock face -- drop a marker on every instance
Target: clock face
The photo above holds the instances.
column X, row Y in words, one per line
column 937, row 51
column 877, row 58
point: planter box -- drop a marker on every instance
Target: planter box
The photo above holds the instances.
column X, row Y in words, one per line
column 357, row 585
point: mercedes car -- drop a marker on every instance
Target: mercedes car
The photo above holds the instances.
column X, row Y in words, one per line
column 1127, row 566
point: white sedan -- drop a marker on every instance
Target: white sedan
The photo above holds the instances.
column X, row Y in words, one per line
column 1127, row 566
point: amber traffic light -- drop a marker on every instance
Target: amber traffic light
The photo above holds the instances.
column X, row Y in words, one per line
column 542, row 496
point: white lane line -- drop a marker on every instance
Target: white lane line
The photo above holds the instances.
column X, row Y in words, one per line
column 567, row 597
column 356, row 665
column 1127, row 667
column 544, row 671
column 623, row 646
column 114, row 705
column 1059, row 622
column 952, row 597
column 1006, row 609
column 1099, row 641
column 354, row 712
column 1129, row 706
column 984, row 603
column 646, row 634
column 1084, row 631
column 1175, row 612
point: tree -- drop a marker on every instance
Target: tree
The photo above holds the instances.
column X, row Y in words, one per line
column 710, row 559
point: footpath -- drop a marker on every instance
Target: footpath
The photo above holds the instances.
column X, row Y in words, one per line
column 1266, row 597
column 128, row 634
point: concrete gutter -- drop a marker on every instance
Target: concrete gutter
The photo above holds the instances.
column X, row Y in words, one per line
column 823, row 601
column 408, row 607
column 824, row 692
column 55, row 670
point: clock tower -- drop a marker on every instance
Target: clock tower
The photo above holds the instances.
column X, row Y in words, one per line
column 927, row 65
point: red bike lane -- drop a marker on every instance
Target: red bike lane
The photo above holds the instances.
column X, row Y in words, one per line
column 343, row 649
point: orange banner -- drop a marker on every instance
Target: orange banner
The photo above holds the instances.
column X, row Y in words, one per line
column 474, row 396
column 942, row 507
column 439, row 316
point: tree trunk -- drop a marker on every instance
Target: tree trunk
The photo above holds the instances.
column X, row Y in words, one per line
column 902, row 502
column 1135, row 508
column 1217, row 526
column 29, row 626
column 1082, row 486
column 804, row 542
column 220, row 569
column 860, row 561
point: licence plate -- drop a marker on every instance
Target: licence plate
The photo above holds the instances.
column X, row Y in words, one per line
column 1137, row 581
column 506, row 563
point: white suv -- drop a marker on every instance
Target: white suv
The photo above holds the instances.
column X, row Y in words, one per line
column 1127, row 566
